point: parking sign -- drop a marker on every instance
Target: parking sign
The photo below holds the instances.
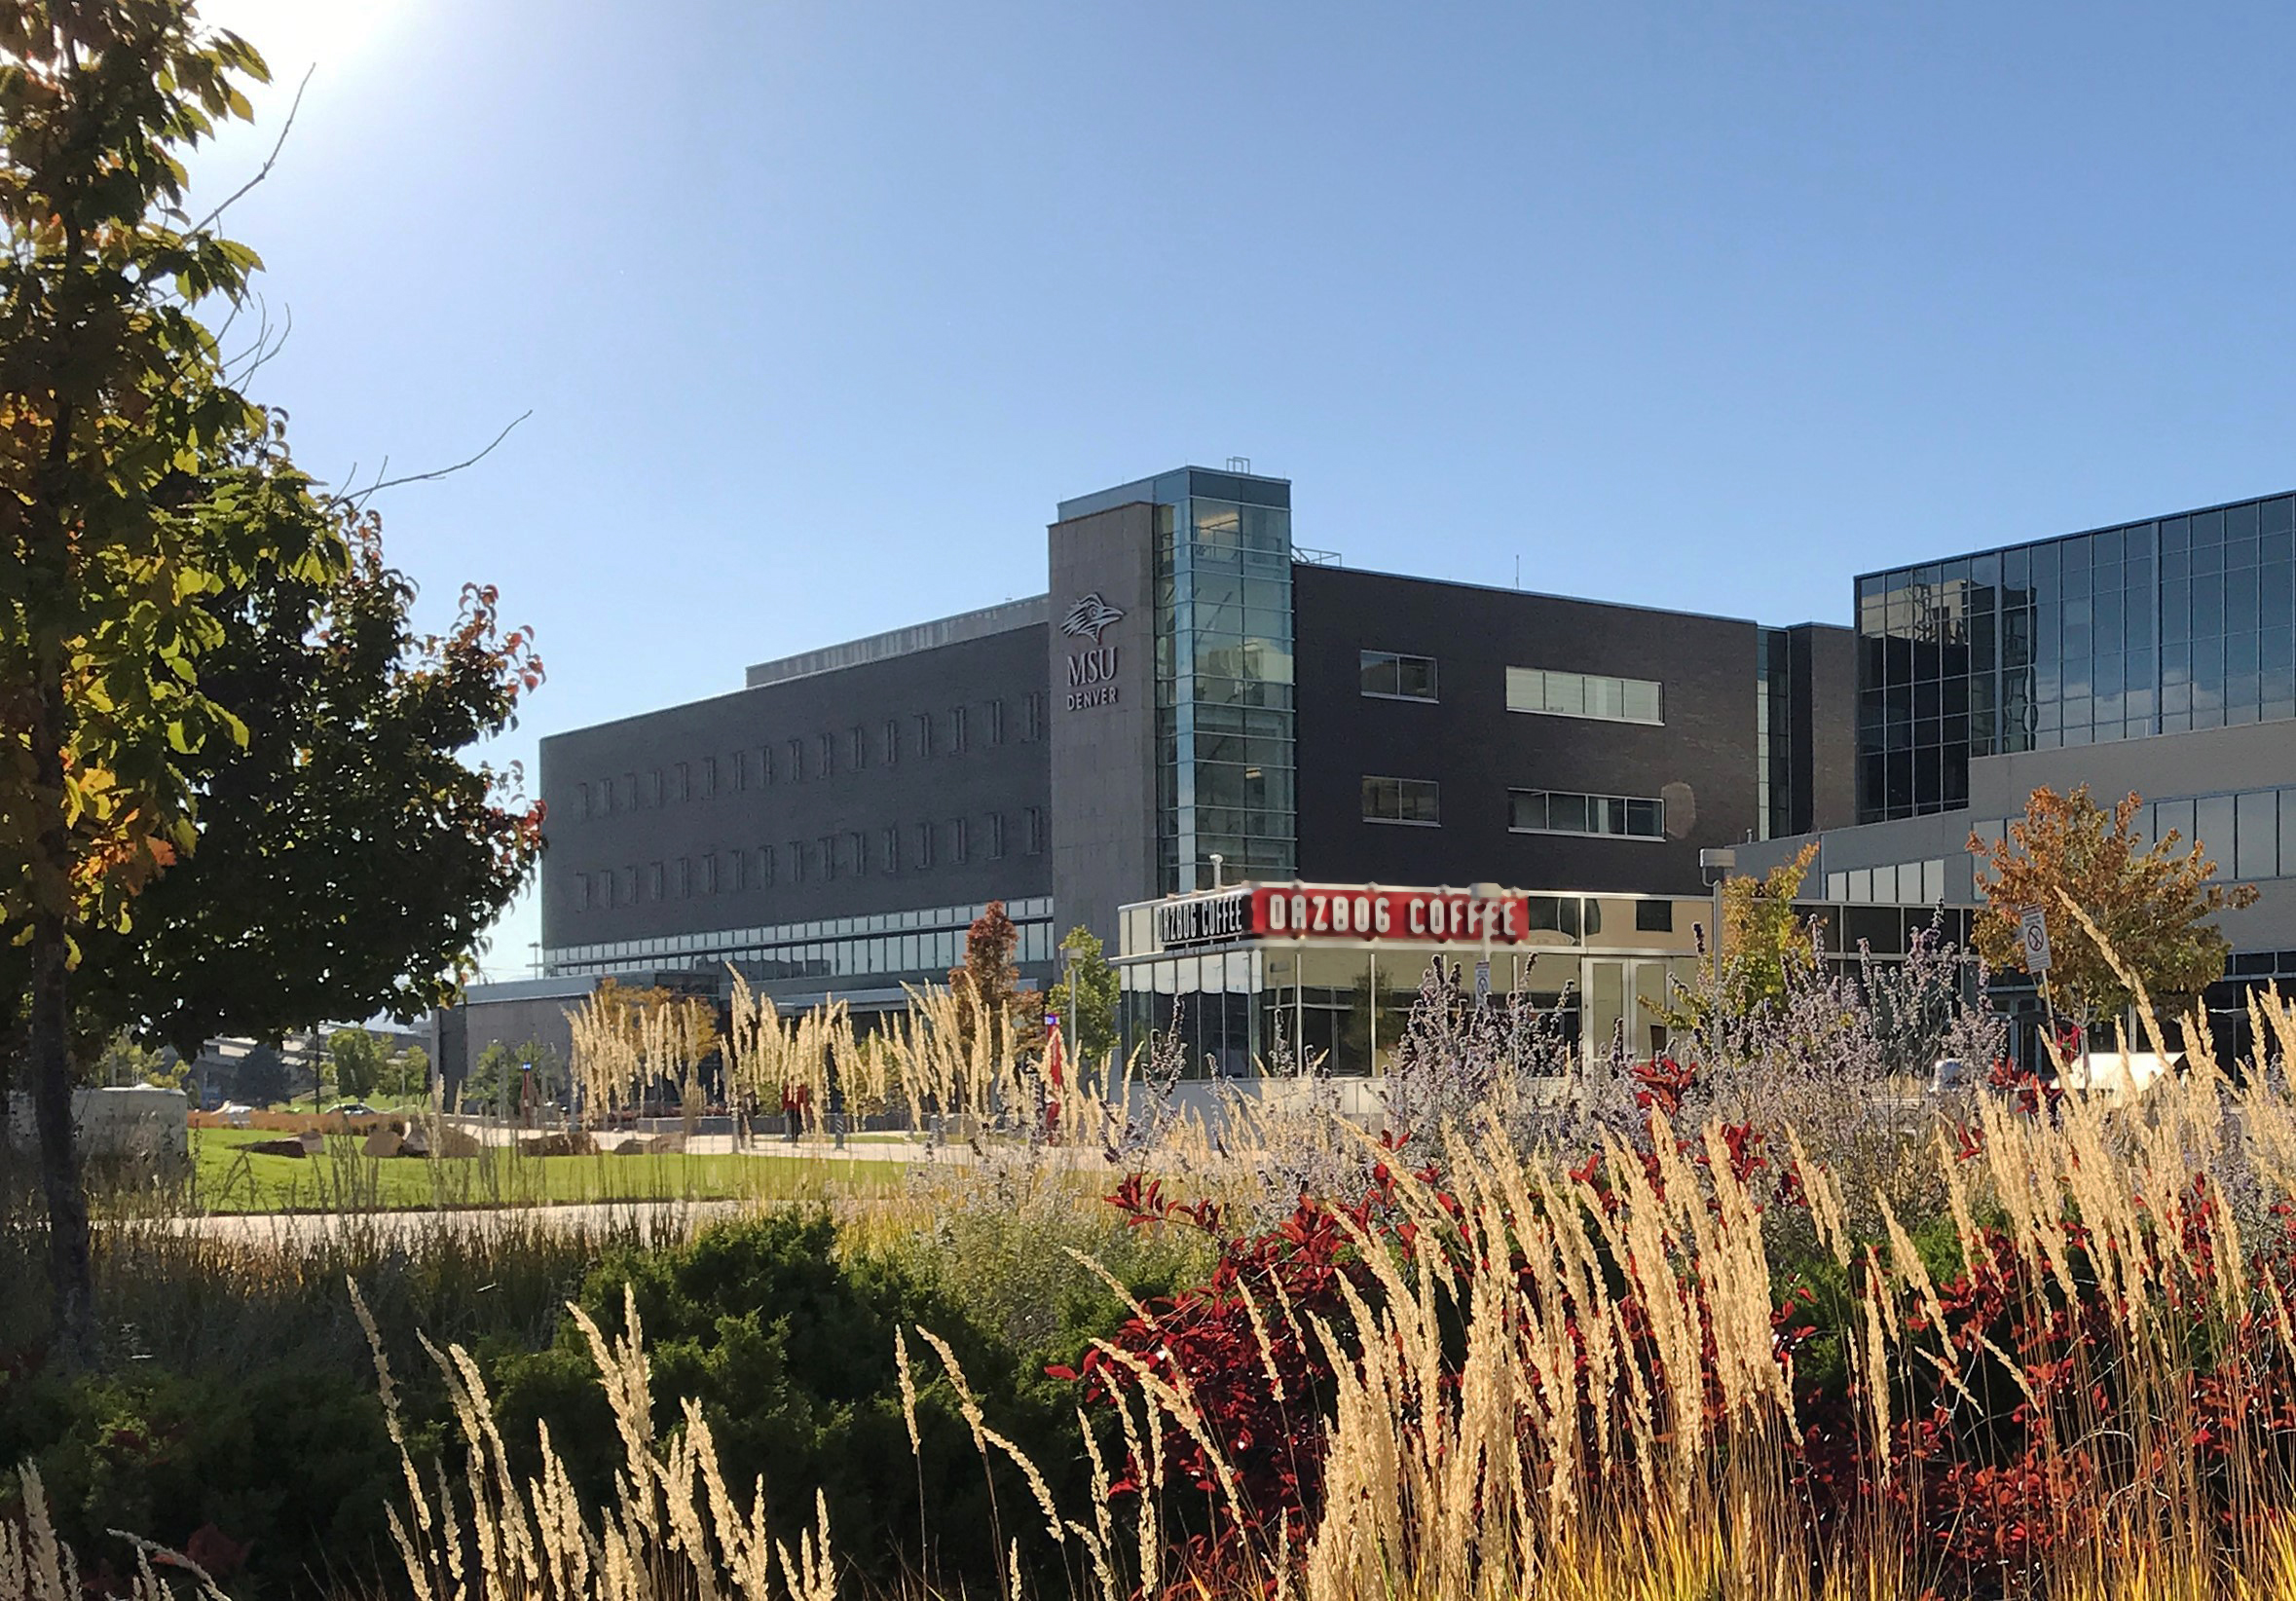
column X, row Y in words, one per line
column 2032, row 927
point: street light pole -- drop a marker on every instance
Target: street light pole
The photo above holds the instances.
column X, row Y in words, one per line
column 1715, row 864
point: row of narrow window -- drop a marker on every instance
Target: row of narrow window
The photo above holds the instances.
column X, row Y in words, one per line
column 922, row 735
column 1392, row 675
column 1419, row 801
column 855, row 853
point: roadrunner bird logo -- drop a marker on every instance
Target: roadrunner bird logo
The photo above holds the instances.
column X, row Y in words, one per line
column 1090, row 616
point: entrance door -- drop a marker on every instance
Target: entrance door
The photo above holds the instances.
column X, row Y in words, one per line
column 1625, row 1006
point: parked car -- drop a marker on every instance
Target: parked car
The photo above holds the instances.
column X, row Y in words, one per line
column 354, row 1108
column 235, row 1112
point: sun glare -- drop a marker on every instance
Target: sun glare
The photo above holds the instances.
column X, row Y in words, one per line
column 335, row 35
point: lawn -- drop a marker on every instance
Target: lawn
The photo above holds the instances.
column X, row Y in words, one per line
column 228, row 1177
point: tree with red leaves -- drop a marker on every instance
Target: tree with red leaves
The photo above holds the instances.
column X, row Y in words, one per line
column 990, row 978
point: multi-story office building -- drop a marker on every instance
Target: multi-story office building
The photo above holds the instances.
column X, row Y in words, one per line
column 1196, row 699
column 2156, row 656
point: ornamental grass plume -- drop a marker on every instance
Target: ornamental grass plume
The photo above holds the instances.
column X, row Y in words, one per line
column 1677, row 1353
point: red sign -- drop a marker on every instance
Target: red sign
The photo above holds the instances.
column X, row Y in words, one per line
column 1339, row 912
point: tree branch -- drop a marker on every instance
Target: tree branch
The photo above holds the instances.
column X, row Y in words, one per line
column 270, row 160
column 361, row 498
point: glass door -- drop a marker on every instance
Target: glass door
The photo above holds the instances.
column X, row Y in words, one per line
column 1626, row 1000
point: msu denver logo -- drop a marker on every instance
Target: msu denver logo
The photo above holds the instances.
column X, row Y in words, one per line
column 1090, row 616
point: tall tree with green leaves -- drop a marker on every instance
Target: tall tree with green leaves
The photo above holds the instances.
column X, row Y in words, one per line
column 359, row 1060
column 350, row 857
column 134, row 480
column 1763, row 943
column 2151, row 901
column 1084, row 998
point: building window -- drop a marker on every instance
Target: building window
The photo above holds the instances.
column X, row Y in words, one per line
column 892, row 740
column 684, row 877
column 891, row 850
column 1584, row 694
column 829, row 857
column 1036, row 831
column 1654, row 916
column 606, row 796
column 829, row 755
column 797, row 860
column 996, row 835
column 797, row 762
column 1032, row 716
column 924, row 733
column 1402, row 800
column 1555, row 812
column 859, row 743
column 709, row 777
column 858, row 843
column 629, row 896
column 581, row 800
column 684, row 783
column 956, row 730
column 956, row 840
column 737, row 869
column 924, row 845
column 1393, row 677
column 653, row 883
column 654, row 788
column 581, row 892
column 765, row 865
column 996, row 722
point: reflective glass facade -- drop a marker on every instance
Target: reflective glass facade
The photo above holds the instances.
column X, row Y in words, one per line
column 2160, row 626
column 1224, row 708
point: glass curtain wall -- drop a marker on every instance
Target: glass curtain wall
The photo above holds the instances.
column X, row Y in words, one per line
column 2154, row 627
column 1224, row 707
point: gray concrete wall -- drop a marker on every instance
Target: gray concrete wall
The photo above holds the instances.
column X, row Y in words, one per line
column 1103, row 731
column 2169, row 766
column 2207, row 762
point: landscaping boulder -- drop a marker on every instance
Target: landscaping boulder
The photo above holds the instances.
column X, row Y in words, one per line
column 572, row 1143
column 309, row 1143
column 443, row 1139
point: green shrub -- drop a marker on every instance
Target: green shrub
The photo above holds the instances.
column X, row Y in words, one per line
column 293, row 1466
column 788, row 1348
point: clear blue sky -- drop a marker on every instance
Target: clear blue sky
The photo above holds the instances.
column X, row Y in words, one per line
column 820, row 308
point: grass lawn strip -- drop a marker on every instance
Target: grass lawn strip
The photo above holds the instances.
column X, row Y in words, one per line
column 228, row 1177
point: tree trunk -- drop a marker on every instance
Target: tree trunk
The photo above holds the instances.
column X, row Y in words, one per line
column 47, row 1044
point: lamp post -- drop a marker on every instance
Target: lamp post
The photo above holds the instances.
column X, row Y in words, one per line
column 1219, row 866
column 1714, row 866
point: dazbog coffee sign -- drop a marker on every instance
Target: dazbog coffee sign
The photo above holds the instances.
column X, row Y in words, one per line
column 1205, row 919
column 1315, row 911
column 1092, row 664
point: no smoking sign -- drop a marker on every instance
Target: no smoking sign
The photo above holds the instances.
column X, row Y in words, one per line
column 2032, row 927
